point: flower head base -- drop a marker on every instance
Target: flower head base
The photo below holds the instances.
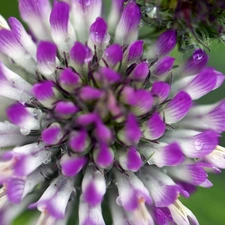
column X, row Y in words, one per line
column 95, row 113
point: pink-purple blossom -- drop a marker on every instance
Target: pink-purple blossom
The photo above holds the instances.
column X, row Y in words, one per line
column 95, row 118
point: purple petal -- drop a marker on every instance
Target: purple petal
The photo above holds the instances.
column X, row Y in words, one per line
column 164, row 65
column 166, row 42
column 178, row 107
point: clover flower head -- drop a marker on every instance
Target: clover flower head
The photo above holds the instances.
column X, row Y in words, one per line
column 95, row 119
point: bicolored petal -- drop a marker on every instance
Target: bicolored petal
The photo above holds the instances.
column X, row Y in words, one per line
column 24, row 38
column 62, row 30
column 10, row 45
column 84, row 13
column 69, row 80
column 103, row 156
column 45, row 93
column 202, row 83
column 55, row 199
column 115, row 13
column 19, row 115
column 46, row 58
column 13, row 86
column 182, row 215
column 177, row 108
column 169, row 155
column 154, row 128
column 127, row 28
column 217, row 157
column 93, row 186
column 36, row 14
column 89, row 215
column 190, row 173
column 99, row 36
column 132, row 191
column 80, row 55
column 129, row 159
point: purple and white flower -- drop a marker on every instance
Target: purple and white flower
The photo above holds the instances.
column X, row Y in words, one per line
column 93, row 117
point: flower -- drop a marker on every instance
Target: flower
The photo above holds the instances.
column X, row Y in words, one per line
column 95, row 118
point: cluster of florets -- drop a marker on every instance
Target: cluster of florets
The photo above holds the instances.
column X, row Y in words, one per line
column 97, row 115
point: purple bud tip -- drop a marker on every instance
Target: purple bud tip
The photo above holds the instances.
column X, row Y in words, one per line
column 140, row 72
column 89, row 93
column 103, row 156
column 80, row 53
column 164, row 65
column 132, row 130
column 43, row 91
column 135, row 51
column 166, row 42
column 17, row 113
column 113, row 55
column 64, row 108
column 196, row 62
column 69, row 78
column 98, row 30
column 110, row 75
column 78, row 141
column 134, row 161
column 51, row 135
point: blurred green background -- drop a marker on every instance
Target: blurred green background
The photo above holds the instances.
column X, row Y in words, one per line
column 207, row 204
